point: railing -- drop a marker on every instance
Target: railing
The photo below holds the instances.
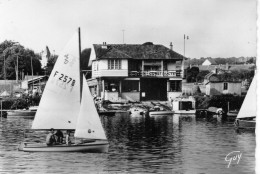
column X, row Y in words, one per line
column 174, row 73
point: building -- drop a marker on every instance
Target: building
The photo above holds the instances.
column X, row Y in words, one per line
column 34, row 83
column 136, row 72
column 209, row 62
column 222, row 84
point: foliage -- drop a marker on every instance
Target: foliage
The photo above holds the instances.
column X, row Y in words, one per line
column 220, row 101
column 9, row 53
column 223, row 61
column 201, row 75
column 192, row 74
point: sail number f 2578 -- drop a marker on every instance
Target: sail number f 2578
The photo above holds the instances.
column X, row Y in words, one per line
column 64, row 78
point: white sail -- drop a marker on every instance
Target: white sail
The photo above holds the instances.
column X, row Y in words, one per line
column 248, row 108
column 89, row 124
column 60, row 102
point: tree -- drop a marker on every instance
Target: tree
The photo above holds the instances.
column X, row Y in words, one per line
column 192, row 74
column 10, row 52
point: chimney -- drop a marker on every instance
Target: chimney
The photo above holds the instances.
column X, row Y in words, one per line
column 171, row 45
column 104, row 46
column 226, row 66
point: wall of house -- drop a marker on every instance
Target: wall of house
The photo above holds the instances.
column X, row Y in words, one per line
column 173, row 95
column 100, row 69
column 217, row 88
column 171, row 66
column 131, row 96
column 111, row 96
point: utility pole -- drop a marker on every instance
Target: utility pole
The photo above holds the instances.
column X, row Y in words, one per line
column 17, row 68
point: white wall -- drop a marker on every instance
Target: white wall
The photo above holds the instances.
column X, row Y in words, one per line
column 218, row 88
column 100, row 69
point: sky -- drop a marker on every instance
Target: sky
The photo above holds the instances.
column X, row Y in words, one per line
column 216, row 28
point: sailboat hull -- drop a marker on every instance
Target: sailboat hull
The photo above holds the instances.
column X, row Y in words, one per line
column 245, row 124
column 95, row 147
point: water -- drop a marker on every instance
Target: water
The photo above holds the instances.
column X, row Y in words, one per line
column 162, row 144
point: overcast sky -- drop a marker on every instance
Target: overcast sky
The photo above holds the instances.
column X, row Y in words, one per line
column 216, row 28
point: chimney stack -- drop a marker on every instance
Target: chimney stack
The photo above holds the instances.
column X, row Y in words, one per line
column 104, row 46
column 171, row 45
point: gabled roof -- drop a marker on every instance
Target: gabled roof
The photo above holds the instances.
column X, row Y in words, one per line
column 135, row 51
column 212, row 61
column 226, row 77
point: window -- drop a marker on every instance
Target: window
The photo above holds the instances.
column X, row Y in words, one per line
column 225, row 86
column 130, row 86
column 175, row 86
column 114, row 64
column 112, row 86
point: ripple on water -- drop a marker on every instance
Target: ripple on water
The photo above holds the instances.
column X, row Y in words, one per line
column 137, row 145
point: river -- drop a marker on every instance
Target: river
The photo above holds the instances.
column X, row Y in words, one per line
column 143, row 144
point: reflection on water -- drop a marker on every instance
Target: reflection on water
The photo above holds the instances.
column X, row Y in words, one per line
column 161, row 144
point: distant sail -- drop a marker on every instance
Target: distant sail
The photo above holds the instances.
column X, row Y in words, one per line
column 60, row 103
column 89, row 124
column 248, row 108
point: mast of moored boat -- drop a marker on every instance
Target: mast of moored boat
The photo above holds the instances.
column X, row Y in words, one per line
column 80, row 68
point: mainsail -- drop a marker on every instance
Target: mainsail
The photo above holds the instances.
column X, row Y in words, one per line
column 248, row 108
column 60, row 102
column 88, row 124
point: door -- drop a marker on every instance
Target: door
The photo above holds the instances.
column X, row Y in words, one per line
column 153, row 89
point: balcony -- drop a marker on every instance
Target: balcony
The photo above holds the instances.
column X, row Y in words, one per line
column 172, row 73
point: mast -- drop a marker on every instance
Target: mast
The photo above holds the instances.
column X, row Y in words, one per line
column 80, row 68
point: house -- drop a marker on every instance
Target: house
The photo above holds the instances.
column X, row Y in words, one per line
column 34, row 83
column 222, row 84
column 209, row 62
column 136, row 72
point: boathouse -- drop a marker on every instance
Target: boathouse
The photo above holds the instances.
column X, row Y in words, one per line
column 136, row 72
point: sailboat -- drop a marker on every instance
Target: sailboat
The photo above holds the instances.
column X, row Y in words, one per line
column 246, row 117
column 67, row 104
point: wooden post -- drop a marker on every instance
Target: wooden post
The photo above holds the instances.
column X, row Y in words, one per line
column 1, row 111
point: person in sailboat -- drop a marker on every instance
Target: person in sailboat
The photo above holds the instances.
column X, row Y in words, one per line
column 50, row 139
column 59, row 136
column 68, row 141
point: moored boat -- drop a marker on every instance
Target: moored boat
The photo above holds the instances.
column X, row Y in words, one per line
column 246, row 118
column 21, row 113
column 154, row 113
column 184, row 105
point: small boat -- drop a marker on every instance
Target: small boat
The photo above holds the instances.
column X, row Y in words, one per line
column 30, row 113
column 67, row 104
column 21, row 113
column 137, row 111
column 162, row 112
column 215, row 110
column 246, row 117
column 184, row 105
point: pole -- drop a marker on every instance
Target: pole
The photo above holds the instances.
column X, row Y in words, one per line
column 1, row 109
column 123, row 36
column 4, row 72
column 32, row 75
column 17, row 69
column 80, row 68
column 184, row 46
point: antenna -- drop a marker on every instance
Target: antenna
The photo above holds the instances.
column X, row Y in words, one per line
column 123, row 36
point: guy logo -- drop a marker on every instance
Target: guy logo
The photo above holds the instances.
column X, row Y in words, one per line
column 233, row 156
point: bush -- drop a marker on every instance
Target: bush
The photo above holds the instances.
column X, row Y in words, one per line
column 220, row 101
